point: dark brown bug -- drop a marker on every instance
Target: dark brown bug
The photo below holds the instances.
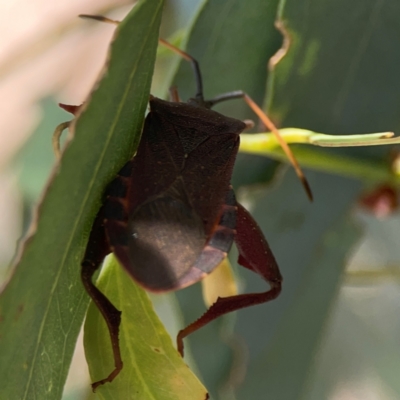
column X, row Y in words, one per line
column 171, row 216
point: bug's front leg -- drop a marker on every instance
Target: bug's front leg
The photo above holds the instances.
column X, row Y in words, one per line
column 254, row 254
column 100, row 245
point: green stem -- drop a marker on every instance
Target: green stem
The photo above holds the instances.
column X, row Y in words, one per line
column 366, row 170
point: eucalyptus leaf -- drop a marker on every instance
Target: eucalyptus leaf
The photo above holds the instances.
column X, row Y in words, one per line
column 310, row 242
column 153, row 369
column 43, row 305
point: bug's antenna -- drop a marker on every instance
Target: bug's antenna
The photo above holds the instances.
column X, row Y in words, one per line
column 239, row 94
column 271, row 126
column 195, row 65
column 99, row 18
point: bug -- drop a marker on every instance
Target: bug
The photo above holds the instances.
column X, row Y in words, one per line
column 171, row 216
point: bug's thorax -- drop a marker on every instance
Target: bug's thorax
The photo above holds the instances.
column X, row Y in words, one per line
column 195, row 116
column 183, row 142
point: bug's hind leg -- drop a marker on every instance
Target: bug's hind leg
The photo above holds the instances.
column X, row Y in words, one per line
column 254, row 254
column 98, row 247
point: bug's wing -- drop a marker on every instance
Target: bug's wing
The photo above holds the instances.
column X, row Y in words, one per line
column 161, row 241
column 157, row 163
column 209, row 143
column 207, row 178
column 217, row 246
column 167, row 237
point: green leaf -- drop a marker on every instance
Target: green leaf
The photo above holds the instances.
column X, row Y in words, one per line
column 310, row 242
column 42, row 307
column 348, row 166
column 153, row 369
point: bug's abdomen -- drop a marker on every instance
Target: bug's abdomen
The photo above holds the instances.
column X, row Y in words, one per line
column 166, row 239
column 217, row 246
column 168, row 248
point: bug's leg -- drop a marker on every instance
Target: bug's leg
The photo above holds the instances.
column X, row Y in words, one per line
column 61, row 128
column 236, row 94
column 98, row 247
column 56, row 138
column 195, row 66
column 96, row 250
column 174, row 95
column 254, row 254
